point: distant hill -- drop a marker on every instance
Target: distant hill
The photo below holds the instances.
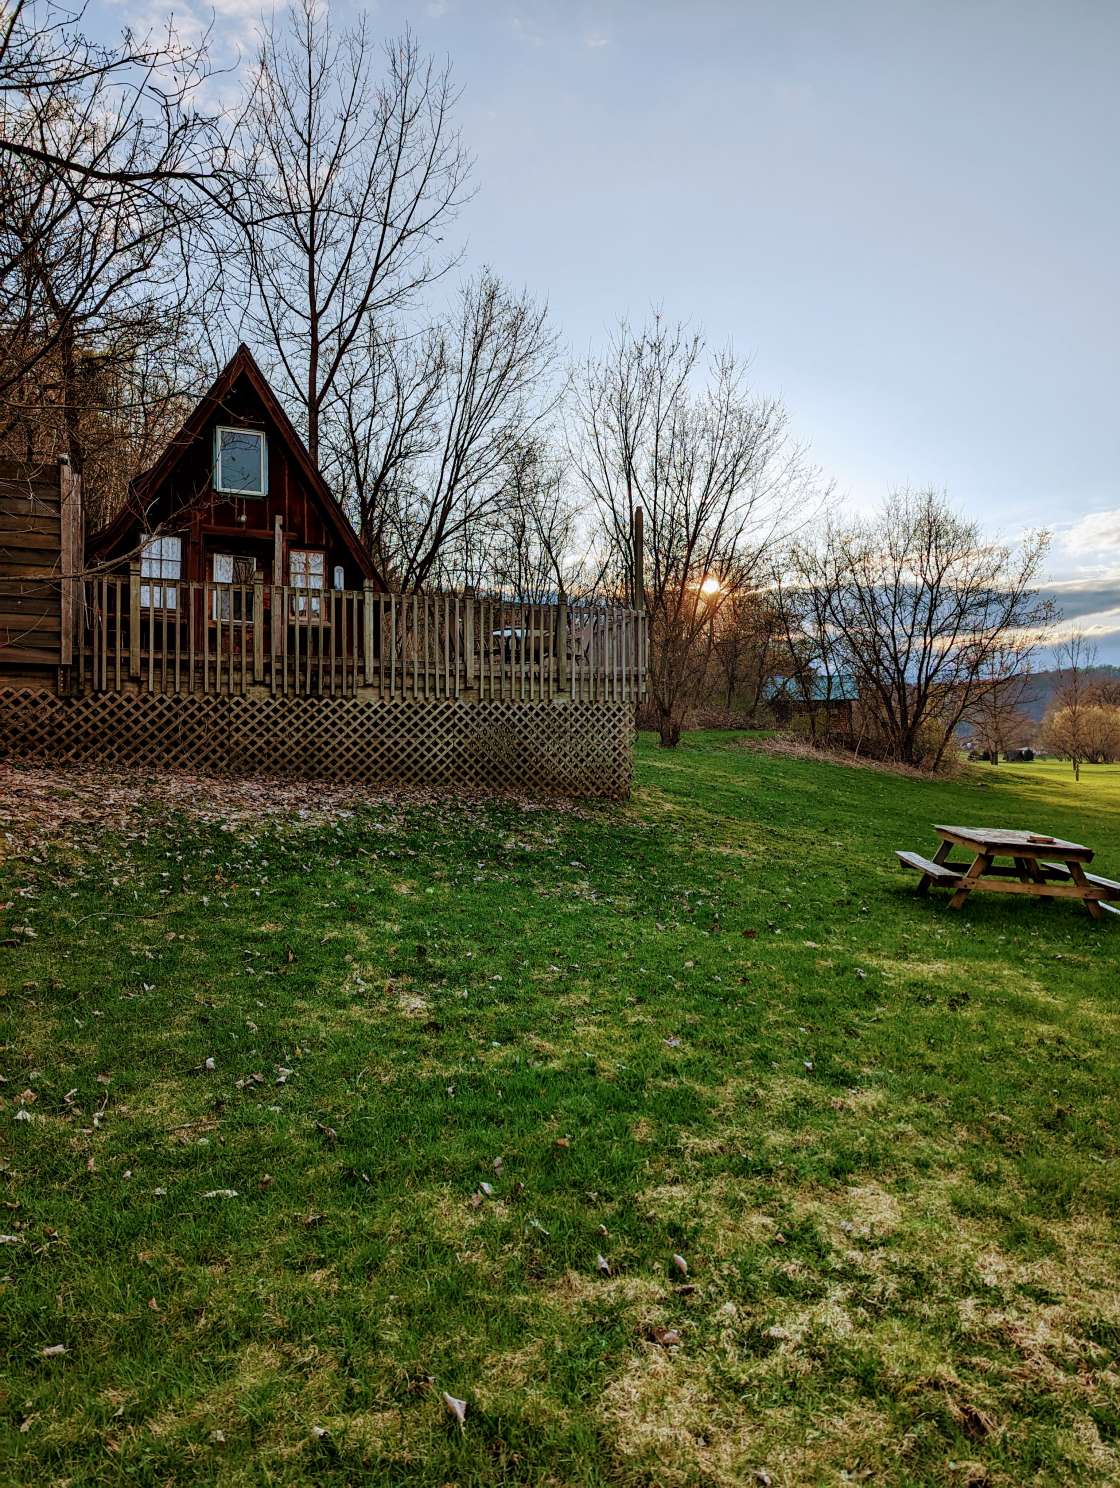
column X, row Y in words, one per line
column 1041, row 691
column 1043, row 685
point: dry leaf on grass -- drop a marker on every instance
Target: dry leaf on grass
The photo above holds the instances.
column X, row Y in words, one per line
column 457, row 1408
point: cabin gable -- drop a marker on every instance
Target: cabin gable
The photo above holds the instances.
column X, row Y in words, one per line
column 236, row 498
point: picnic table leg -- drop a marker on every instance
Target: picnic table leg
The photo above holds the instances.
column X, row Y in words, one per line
column 976, row 870
column 1035, row 875
column 1077, row 873
column 943, row 850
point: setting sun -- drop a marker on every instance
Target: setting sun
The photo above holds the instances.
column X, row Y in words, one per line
column 711, row 585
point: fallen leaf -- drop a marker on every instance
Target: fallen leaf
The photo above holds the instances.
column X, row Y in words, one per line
column 457, row 1408
column 665, row 1337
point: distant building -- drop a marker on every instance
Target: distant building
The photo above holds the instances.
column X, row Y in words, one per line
column 812, row 694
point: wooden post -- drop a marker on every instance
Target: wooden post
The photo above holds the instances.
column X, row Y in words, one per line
column 468, row 634
column 258, row 627
column 392, row 645
column 134, row 618
column 70, row 512
column 638, row 546
column 458, row 650
column 276, row 628
column 367, row 630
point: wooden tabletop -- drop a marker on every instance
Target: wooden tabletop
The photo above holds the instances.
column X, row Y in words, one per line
column 1005, row 843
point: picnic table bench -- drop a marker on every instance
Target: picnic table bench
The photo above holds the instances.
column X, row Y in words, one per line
column 1062, row 876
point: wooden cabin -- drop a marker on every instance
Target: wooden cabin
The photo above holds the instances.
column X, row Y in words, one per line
column 817, row 697
column 235, row 499
column 228, row 620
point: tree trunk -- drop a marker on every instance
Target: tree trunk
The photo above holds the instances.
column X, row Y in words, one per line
column 668, row 728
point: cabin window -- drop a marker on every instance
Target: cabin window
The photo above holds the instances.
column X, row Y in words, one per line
column 232, row 603
column 339, row 577
column 160, row 558
column 306, row 570
column 240, row 461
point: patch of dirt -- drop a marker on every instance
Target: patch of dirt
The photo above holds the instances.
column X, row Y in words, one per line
column 40, row 804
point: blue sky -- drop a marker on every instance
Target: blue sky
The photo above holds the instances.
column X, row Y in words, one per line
column 906, row 214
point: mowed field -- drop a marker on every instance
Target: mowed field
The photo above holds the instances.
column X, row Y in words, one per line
column 679, row 1139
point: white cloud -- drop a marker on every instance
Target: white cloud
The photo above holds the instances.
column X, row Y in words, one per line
column 595, row 39
column 1096, row 535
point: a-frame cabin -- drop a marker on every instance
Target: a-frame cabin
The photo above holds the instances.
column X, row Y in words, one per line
column 235, row 499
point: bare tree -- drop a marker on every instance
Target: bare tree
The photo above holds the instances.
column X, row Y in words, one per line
column 537, row 545
column 744, row 650
column 926, row 613
column 997, row 718
column 717, row 474
column 1067, row 729
column 353, row 181
column 434, row 437
column 109, row 175
column 112, row 404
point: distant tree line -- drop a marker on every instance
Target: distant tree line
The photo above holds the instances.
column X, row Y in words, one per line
column 144, row 230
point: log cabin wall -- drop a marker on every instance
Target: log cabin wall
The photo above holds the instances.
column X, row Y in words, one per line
column 40, row 558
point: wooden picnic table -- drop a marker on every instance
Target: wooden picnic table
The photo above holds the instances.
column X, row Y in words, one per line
column 1061, row 876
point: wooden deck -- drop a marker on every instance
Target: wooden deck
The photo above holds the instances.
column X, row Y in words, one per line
column 244, row 640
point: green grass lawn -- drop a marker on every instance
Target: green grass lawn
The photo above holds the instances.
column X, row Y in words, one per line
column 715, row 1023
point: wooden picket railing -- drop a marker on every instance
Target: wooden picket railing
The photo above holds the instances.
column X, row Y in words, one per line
column 178, row 637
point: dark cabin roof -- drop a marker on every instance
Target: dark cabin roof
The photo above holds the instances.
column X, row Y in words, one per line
column 241, row 365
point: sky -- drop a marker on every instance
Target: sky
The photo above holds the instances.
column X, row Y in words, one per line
column 905, row 214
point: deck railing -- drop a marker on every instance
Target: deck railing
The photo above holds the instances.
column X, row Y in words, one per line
column 178, row 637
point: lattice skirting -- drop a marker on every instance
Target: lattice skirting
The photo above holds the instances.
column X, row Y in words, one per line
column 553, row 748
